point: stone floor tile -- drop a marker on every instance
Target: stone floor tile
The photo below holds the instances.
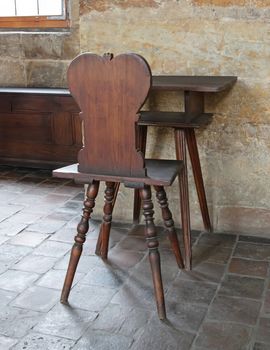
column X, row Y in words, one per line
column 120, row 319
column 204, row 253
column 139, row 230
column 64, row 234
column 8, row 209
column 249, row 267
column 65, row 321
column 70, row 190
column 55, row 279
column 61, row 216
column 79, row 197
column 86, row 262
column 53, row 249
column 37, row 299
column 260, row 346
column 11, row 184
column 3, row 239
column 27, row 238
column 105, row 276
column 185, row 316
column 37, row 341
column 46, row 226
column 263, row 333
column 91, row 298
column 169, row 269
column 133, row 243
column 252, row 251
column 17, row 281
column 10, row 253
column 162, row 335
column 191, row 292
column 123, row 259
column 6, row 296
column 136, row 319
column 30, row 179
column 70, row 209
column 135, row 294
column 240, row 286
column 103, row 341
column 253, row 239
column 89, row 246
column 16, row 322
column 10, row 228
column 111, row 318
column 229, row 309
column 6, row 343
column 266, row 305
column 35, row 263
column 7, row 196
column 204, row 272
column 23, row 217
column 217, row 239
column 223, row 336
column 116, row 234
column 4, row 266
column 57, row 199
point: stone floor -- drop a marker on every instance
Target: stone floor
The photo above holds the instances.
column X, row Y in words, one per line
column 224, row 303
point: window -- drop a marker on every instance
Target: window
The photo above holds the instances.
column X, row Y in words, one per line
column 33, row 14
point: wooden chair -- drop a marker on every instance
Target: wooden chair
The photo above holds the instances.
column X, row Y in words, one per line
column 110, row 92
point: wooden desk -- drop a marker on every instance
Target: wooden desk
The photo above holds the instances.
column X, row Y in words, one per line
column 184, row 124
column 194, row 88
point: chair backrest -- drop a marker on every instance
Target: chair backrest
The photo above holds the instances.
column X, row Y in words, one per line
column 110, row 91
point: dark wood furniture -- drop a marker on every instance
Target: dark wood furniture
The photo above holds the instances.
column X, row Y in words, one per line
column 110, row 92
column 184, row 125
column 39, row 127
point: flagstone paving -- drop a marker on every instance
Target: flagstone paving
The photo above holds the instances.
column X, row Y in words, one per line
column 224, row 303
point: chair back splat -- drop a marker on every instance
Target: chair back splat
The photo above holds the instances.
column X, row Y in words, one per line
column 110, row 92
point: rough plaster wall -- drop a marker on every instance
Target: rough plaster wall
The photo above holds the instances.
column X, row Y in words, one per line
column 203, row 37
column 226, row 37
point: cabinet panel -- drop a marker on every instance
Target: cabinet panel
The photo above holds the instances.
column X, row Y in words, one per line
column 39, row 130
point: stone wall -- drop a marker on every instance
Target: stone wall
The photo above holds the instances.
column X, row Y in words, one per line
column 215, row 37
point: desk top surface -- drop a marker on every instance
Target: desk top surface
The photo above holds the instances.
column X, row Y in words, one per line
column 193, row 83
column 160, row 82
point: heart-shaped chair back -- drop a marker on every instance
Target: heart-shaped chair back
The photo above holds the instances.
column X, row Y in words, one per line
column 110, row 92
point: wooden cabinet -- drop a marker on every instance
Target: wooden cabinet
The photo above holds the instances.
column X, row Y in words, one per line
column 39, row 130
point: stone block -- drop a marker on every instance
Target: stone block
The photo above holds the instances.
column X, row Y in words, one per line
column 12, row 72
column 44, row 73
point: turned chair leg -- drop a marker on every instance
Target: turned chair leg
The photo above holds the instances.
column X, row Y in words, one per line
column 103, row 244
column 99, row 245
column 141, row 145
column 169, row 224
column 82, row 229
column 152, row 244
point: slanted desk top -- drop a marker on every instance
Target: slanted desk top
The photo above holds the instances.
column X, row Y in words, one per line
column 193, row 83
column 160, row 82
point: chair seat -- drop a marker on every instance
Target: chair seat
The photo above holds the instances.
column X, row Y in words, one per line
column 174, row 119
column 159, row 172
